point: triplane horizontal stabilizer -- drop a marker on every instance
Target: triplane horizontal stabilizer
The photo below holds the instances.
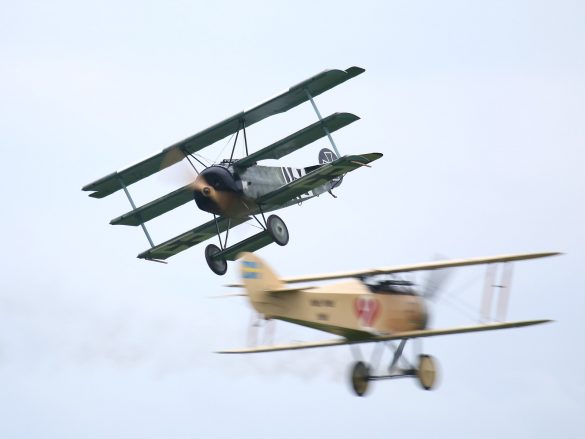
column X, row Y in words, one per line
column 237, row 190
column 370, row 306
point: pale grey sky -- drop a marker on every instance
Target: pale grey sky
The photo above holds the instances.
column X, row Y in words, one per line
column 478, row 108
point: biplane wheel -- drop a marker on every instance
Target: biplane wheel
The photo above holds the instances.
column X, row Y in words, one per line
column 426, row 371
column 218, row 265
column 277, row 228
column 360, row 378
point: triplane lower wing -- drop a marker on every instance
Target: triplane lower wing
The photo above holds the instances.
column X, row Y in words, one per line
column 370, row 306
column 238, row 189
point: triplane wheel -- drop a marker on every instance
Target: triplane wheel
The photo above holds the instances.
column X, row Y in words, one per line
column 426, row 371
column 360, row 378
column 217, row 265
column 277, row 228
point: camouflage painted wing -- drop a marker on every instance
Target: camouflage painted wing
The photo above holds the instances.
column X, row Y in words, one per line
column 189, row 239
column 299, row 139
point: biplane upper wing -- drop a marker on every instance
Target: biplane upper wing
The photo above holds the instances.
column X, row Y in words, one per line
column 299, row 139
column 292, row 97
column 189, row 239
column 434, row 265
column 375, row 338
column 316, row 178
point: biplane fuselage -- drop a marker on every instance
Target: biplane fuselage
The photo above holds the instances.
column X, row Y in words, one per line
column 350, row 309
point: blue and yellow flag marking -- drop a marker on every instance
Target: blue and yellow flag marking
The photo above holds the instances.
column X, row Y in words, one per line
column 251, row 270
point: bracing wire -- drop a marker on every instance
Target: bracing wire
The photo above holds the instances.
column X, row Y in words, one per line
column 224, row 146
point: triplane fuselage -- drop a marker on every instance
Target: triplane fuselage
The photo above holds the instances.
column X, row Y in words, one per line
column 367, row 306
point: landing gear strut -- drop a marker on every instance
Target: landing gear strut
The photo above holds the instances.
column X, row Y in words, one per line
column 273, row 230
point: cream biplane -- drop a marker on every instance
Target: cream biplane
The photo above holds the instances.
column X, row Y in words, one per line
column 237, row 190
column 372, row 306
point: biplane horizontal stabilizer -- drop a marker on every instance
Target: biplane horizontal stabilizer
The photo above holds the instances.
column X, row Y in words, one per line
column 375, row 338
column 290, row 98
column 316, row 178
column 156, row 208
column 189, row 239
column 299, row 139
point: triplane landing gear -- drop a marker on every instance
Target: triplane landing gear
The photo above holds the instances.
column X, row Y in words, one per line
column 277, row 229
column 425, row 370
column 217, row 264
column 273, row 230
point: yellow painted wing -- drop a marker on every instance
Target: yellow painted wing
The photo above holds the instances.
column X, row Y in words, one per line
column 397, row 336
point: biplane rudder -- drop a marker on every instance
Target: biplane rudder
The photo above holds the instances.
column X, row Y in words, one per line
column 258, row 278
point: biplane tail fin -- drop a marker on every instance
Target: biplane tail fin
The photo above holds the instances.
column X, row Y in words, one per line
column 257, row 276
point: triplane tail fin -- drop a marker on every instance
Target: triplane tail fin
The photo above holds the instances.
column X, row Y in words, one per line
column 257, row 276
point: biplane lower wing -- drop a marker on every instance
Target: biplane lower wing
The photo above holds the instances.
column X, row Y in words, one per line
column 316, row 178
column 156, row 208
column 376, row 338
column 189, row 239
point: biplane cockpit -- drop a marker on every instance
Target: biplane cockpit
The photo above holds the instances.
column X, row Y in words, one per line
column 390, row 285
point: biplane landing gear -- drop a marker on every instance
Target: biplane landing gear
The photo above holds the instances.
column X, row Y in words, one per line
column 360, row 378
column 277, row 229
column 362, row 373
column 426, row 371
column 217, row 264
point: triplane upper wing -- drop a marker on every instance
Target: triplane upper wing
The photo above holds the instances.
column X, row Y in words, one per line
column 292, row 97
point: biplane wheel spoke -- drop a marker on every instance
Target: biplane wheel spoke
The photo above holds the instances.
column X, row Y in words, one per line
column 217, row 264
column 277, row 228
column 360, row 378
column 426, row 371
